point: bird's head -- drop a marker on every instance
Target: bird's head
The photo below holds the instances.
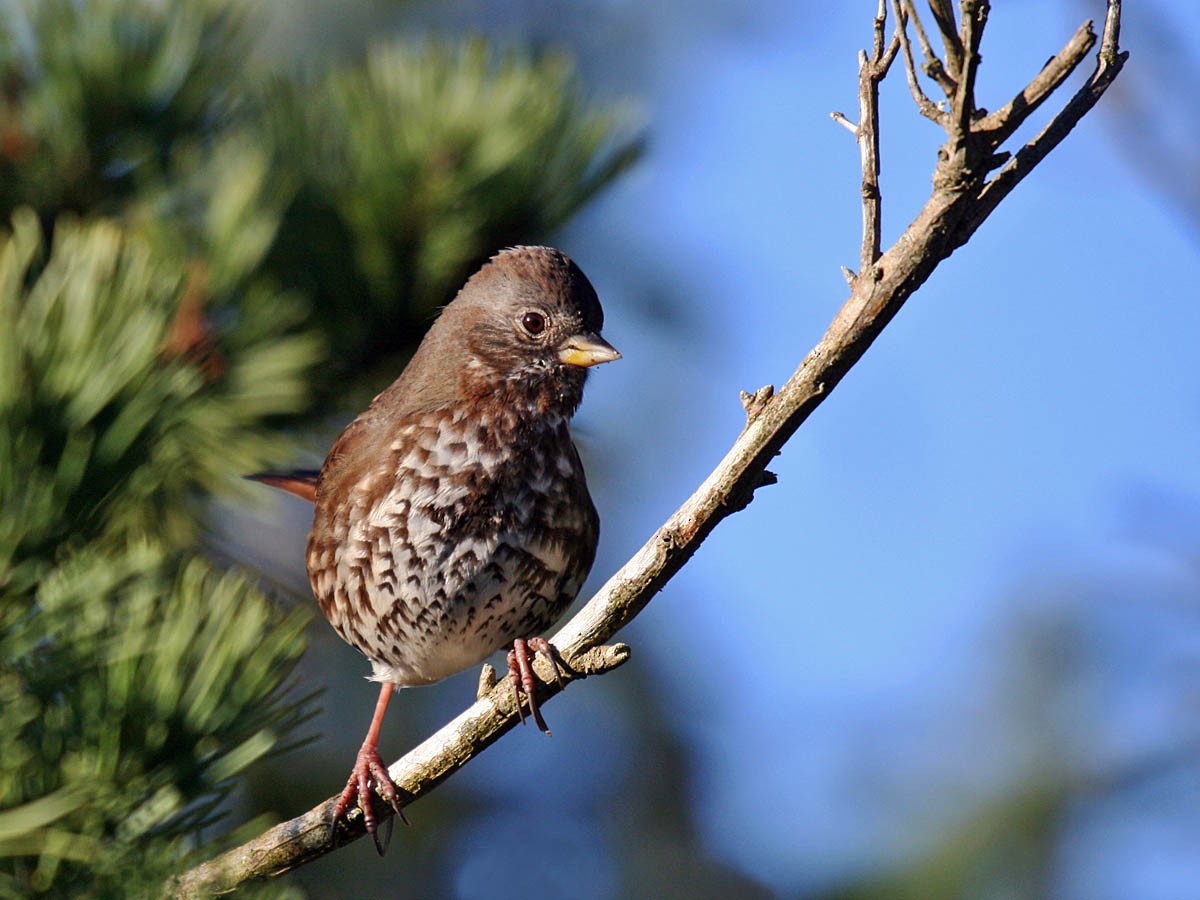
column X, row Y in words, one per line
column 524, row 330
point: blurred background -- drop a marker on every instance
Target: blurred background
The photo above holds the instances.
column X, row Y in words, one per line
column 955, row 652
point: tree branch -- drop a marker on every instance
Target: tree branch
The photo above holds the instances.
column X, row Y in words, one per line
column 961, row 200
column 974, row 18
column 943, row 17
column 1008, row 118
column 871, row 71
column 934, row 67
column 1109, row 61
column 925, row 106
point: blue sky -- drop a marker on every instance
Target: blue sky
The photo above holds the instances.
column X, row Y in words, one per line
column 995, row 445
column 979, row 561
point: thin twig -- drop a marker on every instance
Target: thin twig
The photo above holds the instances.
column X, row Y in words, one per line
column 1003, row 122
column 889, row 56
column 934, row 67
column 841, row 119
column 879, row 30
column 925, row 106
column 943, row 16
column 974, row 17
column 1110, row 53
column 868, row 148
column 1109, row 62
column 871, row 71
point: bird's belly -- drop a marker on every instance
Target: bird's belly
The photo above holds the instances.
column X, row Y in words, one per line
column 434, row 607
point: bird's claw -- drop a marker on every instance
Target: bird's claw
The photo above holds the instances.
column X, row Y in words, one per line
column 520, row 671
column 368, row 767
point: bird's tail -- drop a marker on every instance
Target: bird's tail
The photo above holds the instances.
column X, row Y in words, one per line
column 302, row 482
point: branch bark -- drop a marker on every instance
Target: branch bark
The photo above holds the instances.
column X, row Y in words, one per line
column 961, row 200
column 872, row 70
column 925, row 106
column 934, row 67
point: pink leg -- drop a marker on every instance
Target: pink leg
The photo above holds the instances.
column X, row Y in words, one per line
column 369, row 766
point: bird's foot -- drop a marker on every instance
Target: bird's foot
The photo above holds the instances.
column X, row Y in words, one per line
column 368, row 767
column 520, row 670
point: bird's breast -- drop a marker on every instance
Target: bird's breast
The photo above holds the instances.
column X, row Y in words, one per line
column 473, row 533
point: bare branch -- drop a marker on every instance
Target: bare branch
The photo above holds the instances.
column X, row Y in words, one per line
column 884, row 63
column 868, row 148
column 306, row 837
column 1110, row 45
column 841, row 119
column 943, row 16
column 871, row 71
column 934, row 67
column 881, row 56
column 1110, row 60
column 960, row 202
column 925, row 106
column 880, row 30
column 1004, row 121
column 974, row 17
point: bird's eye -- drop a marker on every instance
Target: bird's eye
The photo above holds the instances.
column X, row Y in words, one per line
column 534, row 323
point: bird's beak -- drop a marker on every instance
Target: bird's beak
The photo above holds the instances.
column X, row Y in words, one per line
column 587, row 350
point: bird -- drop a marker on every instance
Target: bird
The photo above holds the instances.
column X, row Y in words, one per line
column 452, row 517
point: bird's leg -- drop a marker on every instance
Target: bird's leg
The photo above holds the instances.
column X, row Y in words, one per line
column 369, row 766
column 520, row 670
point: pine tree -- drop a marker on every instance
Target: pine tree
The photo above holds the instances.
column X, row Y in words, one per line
column 189, row 238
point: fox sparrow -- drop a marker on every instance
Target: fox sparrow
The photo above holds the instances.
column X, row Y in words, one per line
column 452, row 517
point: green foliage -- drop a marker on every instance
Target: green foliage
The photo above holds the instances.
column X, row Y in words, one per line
column 417, row 166
column 112, row 423
column 100, row 93
column 395, row 176
column 137, row 682
column 186, row 246
column 131, row 697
